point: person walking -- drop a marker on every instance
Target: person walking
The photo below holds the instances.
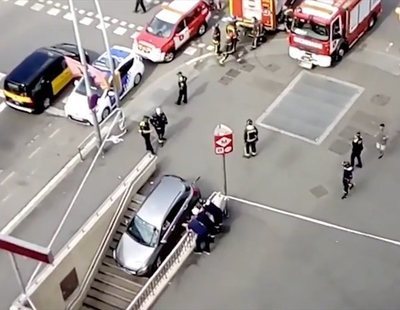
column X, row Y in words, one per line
column 250, row 139
column 202, row 236
column 381, row 140
column 256, row 32
column 145, row 131
column 141, row 4
column 347, row 179
column 216, row 39
column 159, row 121
column 357, row 147
column 182, row 85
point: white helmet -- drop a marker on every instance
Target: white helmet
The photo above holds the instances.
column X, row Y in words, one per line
column 158, row 110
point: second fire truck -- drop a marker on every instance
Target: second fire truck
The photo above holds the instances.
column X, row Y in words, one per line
column 324, row 30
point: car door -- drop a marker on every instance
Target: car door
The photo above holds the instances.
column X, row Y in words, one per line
column 59, row 75
column 172, row 222
column 192, row 22
column 127, row 77
column 181, row 34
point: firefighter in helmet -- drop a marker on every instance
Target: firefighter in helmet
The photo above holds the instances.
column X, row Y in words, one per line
column 250, row 139
column 230, row 49
column 288, row 15
column 216, row 40
column 257, row 32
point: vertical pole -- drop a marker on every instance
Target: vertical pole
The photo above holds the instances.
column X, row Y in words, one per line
column 225, row 181
column 20, row 281
column 85, row 72
column 107, row 46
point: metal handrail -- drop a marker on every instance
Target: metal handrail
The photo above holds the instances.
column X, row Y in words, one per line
column 186, row 243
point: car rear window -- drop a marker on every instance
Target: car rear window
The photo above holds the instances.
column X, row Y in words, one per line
column 14, row 88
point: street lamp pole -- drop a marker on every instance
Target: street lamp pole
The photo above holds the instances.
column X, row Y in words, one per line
column 85, row 71
column 107, row 46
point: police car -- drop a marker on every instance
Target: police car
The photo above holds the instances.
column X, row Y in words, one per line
column 130, row 68
column 171, row 28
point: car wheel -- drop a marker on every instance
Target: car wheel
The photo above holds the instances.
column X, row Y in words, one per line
column 202, row 29
column 137, row 79
column 46, row 103
column 340, row 53
column 372, row 22
column 169, row 56
column 105, row 113
column 158, row 262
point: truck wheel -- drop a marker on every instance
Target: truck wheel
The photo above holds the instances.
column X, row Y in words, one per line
column 340, row 53
column 46, row 103
column 372, row 22
column 202, row 29
column 169, row 56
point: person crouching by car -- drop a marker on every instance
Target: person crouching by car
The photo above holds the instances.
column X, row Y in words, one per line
column 216, row 213
column 203, row 218
column 202, row 236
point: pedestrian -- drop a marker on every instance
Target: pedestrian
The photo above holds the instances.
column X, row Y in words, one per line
column 203, row 218
column 159, row 121
column 357, row 147
column 215, row 212
column 257, row 31
column 381, row 140
column 182, row 84
column 145, row 131
column 250, row 139
column 141, row 4
column 202, row 236
column 216, row 39
column 347, row 179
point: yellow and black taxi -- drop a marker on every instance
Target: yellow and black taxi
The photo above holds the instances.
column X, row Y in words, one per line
column 39, row 78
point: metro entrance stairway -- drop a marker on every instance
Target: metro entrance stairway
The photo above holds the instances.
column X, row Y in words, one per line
column 112, row 288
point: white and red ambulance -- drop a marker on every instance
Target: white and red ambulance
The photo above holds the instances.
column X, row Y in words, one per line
column 171, row 28
column 324, row 30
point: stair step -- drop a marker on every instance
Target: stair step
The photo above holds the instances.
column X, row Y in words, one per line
column 113, row 290
column 92, row 303
column 118, row 282
column 116, row 272
column 121, row 229
column 138, row 199
column 113, row 244
column 108, row 299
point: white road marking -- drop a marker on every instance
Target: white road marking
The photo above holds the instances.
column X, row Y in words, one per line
column 114, row 21
column 90, row 14
column 55, row 112
column 190, row 51
column 21, row 2
column 81, row 12
column 106, row 25
column 131, row 26
column 57, row 5
column 201, row 45
column 1, row 171
column 54, row 133
column 53, row 12
column 68, row 16
column 8, row 177
column 139, row 28
column 123, row 23
column 210, row 48
column 199, row 58
column 49, row 2
column 316, row 221
column 156, row 2
column 135, row 35
column 6, row 198
column 86, row 21
column 34, row 152
column 37, row 7
column 2, row 106
column 106, row 18
column 120, row 31
column 65, row 7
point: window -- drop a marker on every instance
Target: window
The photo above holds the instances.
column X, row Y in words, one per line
column 181, row 26
column 353, row 18
column 364, row 10
column 160, row 28
column 336, row 29
column 374, row 3
column 143, row 232
column 125, row 68
column 311, row 29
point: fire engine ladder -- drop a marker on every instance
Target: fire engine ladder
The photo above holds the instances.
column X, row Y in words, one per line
column 112, row 288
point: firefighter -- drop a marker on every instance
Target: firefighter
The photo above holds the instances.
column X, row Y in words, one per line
column 347, row 178
column 159, row 121
column 233, row 32
column 182, row 84
column 288, row 18
column 257, row 32
column 250, row 139
column 216, row 40
column 145, row 131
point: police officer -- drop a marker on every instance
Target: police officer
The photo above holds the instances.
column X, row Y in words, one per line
column 159, row 121
column 216, row 39
column 141, row 4
column 182, row 97
column 256, row 32
column 357, row 147
column 347, row 178
column 145, row 131
column 250, row 139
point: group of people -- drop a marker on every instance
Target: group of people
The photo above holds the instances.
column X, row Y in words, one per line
column 206, row 222
column 357, row 148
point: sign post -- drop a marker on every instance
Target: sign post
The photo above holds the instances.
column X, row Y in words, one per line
column 223, row 144
column 17, row 246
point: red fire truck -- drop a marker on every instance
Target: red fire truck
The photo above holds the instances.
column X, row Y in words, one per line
column 324, row 30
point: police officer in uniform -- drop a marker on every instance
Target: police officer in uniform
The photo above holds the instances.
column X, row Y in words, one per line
column 357, row 147
column 141, row 4
column 216, row 39
column 250, row 139
column 347, row 178
column 182, row 97
column 145, row 131
column 257, row 32
column 159, row 121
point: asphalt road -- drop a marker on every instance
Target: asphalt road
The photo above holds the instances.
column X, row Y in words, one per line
column 33, row 148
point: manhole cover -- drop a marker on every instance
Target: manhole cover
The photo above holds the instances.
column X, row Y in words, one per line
column 310, row 107
column 319, row 191
column 340, row 147
column 232, row 73
column 247, row 67
column 225, row 80
column 380, row 99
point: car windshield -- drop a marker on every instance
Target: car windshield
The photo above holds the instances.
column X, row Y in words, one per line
column 81, row 89
column 160, row 28
column 311, row 29
column 143, row 232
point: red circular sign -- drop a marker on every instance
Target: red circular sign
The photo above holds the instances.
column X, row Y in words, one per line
column 223, row 140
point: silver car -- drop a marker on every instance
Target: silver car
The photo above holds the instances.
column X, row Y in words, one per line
column 156, row 227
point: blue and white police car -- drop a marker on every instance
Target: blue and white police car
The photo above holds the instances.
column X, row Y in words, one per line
column 130, row 68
